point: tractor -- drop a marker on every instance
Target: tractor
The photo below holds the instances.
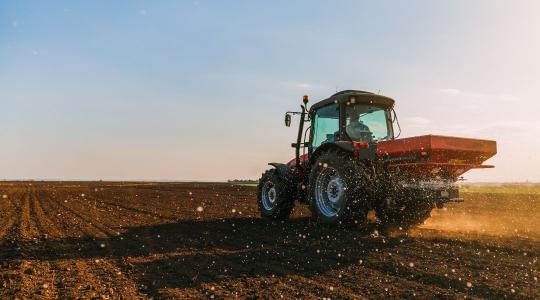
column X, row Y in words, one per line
column 349, row 161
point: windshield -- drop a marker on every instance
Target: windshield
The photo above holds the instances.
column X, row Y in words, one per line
column 366, row 123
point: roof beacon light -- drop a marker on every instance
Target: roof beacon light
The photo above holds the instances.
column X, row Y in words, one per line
column 305, row 99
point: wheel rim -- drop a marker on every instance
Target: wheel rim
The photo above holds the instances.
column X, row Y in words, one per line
column 269, row 195
column 329, row 192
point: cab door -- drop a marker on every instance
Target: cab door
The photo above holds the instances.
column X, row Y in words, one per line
column 325, row 126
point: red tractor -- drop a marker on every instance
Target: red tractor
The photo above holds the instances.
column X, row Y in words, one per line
column 348, row 161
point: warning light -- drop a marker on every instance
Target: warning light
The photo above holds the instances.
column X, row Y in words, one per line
column 306, row 99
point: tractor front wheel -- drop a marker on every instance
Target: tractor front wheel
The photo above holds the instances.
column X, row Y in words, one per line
column 274, row 195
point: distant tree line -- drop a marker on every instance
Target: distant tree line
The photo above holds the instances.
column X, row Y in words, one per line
column 242, row 181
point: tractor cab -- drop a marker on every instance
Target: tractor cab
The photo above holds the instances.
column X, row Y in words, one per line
column 352, row 116
column 348, row 118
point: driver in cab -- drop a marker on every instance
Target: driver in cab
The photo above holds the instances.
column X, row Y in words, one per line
column 357, row 130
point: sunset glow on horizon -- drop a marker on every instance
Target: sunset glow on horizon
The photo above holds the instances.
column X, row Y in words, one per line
column 196, row 90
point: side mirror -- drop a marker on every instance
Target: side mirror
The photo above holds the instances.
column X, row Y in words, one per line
column 287, row 120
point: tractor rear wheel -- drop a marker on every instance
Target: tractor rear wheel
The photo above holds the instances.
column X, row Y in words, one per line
column 275, row 195
column 338, row 190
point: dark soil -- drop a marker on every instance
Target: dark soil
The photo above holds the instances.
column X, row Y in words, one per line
column 193, row 240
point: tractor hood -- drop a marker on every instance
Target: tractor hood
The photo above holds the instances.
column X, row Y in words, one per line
column 436, row 155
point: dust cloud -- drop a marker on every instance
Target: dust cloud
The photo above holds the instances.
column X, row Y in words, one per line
column 497, row 214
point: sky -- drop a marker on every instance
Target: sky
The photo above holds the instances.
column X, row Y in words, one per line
column 196, row 90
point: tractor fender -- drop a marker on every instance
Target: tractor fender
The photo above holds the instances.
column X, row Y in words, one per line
column 367, row 153
column 282, row 169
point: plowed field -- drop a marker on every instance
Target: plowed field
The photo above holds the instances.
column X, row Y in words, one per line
column 193, row 240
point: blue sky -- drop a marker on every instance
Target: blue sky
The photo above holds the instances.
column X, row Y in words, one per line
column 196, row 90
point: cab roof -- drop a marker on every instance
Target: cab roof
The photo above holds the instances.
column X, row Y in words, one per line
column 359, row 96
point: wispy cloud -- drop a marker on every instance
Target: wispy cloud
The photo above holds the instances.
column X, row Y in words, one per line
column 417, row 121
column 450, row 91
column 304, row 86
column 479, row 96
column 502, row 131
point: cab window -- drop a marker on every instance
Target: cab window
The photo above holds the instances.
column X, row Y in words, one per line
column 325, row 125
column 366, row 123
